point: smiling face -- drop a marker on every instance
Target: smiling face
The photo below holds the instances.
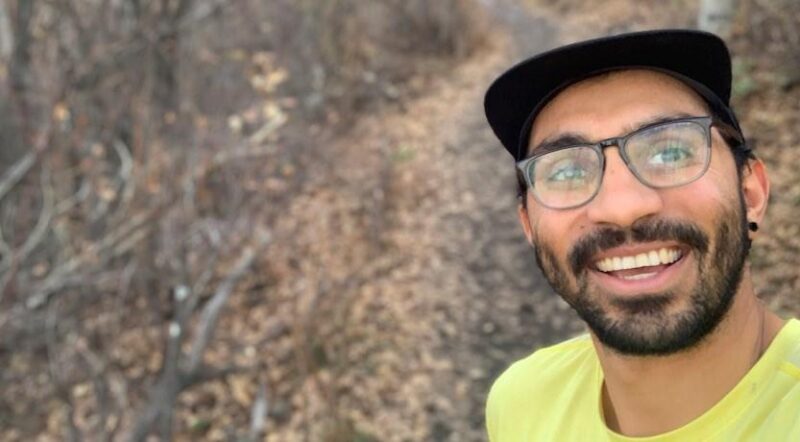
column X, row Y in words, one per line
column 651, row 271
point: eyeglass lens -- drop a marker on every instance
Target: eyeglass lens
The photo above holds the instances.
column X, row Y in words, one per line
column 661, row 156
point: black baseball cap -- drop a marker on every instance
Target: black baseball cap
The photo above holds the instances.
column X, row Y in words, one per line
column 697, row 58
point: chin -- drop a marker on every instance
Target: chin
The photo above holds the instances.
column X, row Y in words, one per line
column 655, row 324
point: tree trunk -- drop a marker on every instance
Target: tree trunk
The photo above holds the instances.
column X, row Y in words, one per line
column 717, row 16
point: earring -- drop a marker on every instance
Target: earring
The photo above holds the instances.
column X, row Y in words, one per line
column 753, row 226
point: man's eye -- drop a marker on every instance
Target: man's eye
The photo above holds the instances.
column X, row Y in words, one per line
column 567, row 172
column 670, row 154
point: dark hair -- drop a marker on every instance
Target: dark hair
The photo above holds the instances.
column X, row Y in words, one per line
column 742, row 152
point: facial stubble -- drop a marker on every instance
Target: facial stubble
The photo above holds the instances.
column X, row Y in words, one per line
column 644, row 325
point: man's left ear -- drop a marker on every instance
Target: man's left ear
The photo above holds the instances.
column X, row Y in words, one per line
column 755, row 189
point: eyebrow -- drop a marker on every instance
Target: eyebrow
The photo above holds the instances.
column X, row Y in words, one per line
column 566, row 139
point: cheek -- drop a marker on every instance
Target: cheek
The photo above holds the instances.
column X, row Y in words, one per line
column 557, row 230
column 718, row 187
column 721, row 173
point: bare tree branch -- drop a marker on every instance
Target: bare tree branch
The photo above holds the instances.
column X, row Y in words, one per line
column 77, row 198
column 62, row 390
column 102, row 379
column 6, row 34
column 175, row 376
column 20, row 68
column 15, row 173
column 15, row 259
column 5, row 249
column 128, row 184
column 211, row 311
column 258, row 414
column 203, row 11
column 268, row 129
column 126, row 235
column 43, row 223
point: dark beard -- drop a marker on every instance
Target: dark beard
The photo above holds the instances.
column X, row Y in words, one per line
column 645, row 327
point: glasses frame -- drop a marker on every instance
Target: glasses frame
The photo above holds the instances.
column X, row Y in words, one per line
column 705, row 122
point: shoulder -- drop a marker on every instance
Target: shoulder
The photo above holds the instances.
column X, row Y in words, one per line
column 790, row 339
column 545, row 364
column 548, row 375
column 779, row 403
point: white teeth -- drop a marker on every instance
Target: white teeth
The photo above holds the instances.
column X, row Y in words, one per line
column 651, row 258
column 628, row 262
column 639, row 276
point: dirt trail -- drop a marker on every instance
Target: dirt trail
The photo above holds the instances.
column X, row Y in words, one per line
column 466, row 296
column 508, row 308
column 504, row 306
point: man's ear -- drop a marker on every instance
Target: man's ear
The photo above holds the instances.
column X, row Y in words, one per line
column 522, row 212
column 755, row 190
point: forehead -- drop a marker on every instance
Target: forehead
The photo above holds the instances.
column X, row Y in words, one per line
column 602, row 106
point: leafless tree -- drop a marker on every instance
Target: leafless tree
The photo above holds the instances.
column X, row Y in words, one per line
column 141, row 145
column 87, row 205
column 717, row 16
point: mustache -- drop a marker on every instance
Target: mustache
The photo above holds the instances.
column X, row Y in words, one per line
column 647, row 230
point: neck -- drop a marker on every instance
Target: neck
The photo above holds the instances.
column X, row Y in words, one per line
column 643, row 396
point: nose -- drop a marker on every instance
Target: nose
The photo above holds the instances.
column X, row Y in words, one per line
column 622, row 198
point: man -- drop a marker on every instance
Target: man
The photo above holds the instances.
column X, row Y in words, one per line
column 641, row 197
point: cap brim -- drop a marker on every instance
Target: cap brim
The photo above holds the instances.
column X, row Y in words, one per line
column 698, row 56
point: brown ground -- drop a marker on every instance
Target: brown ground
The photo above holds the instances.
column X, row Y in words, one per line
column 454, row 290
column 435, row 287
column 451, row 294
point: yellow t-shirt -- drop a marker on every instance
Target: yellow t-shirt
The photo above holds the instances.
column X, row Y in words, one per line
column 554, row 395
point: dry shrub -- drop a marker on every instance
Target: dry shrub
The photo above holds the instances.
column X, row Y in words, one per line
column 347, row 53
column 150, row 149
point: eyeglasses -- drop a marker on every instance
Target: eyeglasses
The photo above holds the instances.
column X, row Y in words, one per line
column 661, row 155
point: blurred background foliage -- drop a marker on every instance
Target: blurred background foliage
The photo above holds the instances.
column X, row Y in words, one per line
column 148, row 148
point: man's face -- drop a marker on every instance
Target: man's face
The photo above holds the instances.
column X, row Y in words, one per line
column 693, row 238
